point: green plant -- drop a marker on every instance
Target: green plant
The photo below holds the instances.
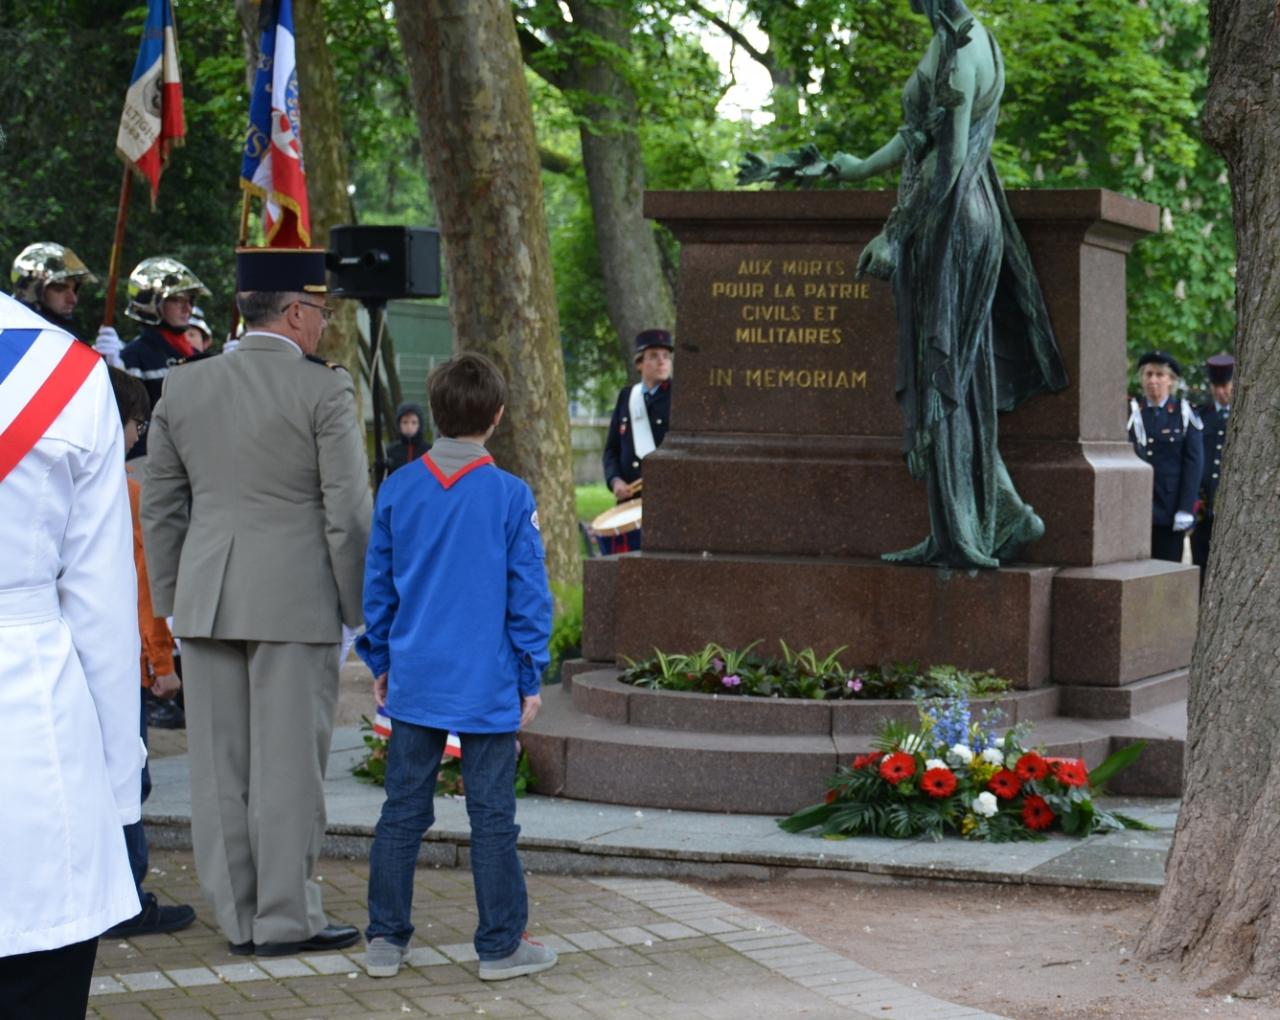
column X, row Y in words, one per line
column 803, row 673
column 372, row 768
column 566, row 628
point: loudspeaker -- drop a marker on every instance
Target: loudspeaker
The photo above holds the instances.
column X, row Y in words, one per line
column 380, row 263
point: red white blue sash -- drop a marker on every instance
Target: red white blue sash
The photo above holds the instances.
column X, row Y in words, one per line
column 40, row 371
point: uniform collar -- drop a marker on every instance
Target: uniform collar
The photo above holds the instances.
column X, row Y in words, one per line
column 261, row 340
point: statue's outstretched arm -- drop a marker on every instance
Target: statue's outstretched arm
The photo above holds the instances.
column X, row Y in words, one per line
column 888, row 156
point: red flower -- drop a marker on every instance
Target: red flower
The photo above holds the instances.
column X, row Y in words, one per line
column 1031, row 766
column 938, row 783
column 832, row 794
column 897, row 767
column 1070, row 771
column 1005, row 784
column 863, row 760
column 1036, row 813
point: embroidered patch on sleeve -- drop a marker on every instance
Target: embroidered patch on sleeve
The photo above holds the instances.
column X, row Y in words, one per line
column 533, row 519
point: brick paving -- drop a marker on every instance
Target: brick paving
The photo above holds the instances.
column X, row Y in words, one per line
column 631, row 949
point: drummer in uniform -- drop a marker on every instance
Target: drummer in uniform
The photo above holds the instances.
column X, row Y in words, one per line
column 640, row 422
column 1221, row 371
column 1166, row 433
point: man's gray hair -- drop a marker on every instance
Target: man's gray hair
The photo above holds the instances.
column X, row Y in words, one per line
column 260, row 307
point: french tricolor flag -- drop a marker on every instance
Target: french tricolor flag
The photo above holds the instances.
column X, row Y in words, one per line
column 152, row 120
column 382, row 727
column 272, row 165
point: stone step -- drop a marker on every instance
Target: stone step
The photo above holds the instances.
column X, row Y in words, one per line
column 601, row 694
column 583, row 756
column 1087, row 702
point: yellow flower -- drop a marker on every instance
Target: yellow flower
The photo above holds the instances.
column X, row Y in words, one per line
column 968, row 823
column 982, row 771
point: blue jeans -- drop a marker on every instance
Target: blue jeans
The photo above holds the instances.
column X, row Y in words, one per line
column 135, row 836
column 488, row 776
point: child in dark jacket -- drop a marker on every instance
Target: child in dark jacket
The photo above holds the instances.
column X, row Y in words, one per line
column 413, row 443
column 458, row 616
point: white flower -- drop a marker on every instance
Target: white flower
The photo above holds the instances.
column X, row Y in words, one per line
column 985, row 804
column 960, row 753
column 934, row 763
column 999, row 742
column 993, row 756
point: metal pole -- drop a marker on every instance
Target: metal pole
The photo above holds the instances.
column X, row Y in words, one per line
column 377, row 322
column 117, row 251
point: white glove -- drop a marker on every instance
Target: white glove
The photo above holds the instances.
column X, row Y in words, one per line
column 109, row 346
column 349, row 635
column 230, row 346
column 1183, row 521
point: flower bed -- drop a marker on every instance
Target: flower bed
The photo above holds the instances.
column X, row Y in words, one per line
column 952, row 774
column 802, row 674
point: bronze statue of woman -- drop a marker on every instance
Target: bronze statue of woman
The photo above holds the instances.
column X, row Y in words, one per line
column 973, row 332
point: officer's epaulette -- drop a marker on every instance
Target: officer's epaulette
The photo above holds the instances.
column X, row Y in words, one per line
column 335, row 365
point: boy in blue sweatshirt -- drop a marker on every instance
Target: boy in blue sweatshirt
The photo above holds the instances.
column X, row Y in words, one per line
column 458, row 615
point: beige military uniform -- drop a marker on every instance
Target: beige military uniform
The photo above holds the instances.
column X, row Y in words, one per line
column 255, row 518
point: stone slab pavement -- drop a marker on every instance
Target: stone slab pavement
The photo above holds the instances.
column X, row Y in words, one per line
column 578, row 837
column 631, row 949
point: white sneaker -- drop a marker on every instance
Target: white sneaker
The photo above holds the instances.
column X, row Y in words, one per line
column 383, row 958
column 529, row 958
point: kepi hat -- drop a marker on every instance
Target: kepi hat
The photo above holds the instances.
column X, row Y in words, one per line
column 1161, row 358
column 1221, row 368
column 653, row 338
column 281, row 269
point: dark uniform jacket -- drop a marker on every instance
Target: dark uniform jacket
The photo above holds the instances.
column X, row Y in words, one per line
column 403, row 450
column 620, row 460
column 149, row 357
column 1176, row 454
column 1215, row 435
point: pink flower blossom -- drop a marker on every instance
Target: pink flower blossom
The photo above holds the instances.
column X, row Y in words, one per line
column 855, row 684
column 732, row 680
column 717, row 664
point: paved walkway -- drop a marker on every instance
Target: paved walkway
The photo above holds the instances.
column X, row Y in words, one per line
column 631, row 949
column 635, row 944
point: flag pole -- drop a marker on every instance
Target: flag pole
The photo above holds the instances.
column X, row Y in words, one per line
column 242, row 240
column 117, row 249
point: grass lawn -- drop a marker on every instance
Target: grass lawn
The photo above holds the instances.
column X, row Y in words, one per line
column 592, row 500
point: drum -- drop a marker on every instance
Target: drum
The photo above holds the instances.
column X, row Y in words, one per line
column 617, row 530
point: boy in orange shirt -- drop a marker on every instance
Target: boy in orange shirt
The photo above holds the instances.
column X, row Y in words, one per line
column 157, row 670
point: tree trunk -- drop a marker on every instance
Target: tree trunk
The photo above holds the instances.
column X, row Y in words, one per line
column 636, row 290
column 476, row 127
column 324, row 149
column 1219, row 913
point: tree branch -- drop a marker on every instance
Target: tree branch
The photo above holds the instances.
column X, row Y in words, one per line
column 761, row 57
column 531, row 49
column 554, row 162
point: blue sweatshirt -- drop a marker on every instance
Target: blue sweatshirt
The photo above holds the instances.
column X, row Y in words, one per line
column 456, row 605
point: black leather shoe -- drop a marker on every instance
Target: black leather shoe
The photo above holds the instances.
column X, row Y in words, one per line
column 152, row 919
column 330, row 937
column 240, row 948
column 165, row 715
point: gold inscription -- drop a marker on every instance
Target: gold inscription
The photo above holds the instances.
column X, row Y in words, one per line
column 788, row 335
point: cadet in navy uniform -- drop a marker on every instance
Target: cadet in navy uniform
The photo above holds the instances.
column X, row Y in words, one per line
column 640, row 422
column 1165, row 432
column 1221, row 371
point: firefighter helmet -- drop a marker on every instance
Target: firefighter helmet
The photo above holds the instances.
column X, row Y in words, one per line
column 43, row 263
column 155, row 279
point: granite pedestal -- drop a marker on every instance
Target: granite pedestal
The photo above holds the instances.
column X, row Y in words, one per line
column 782, row 482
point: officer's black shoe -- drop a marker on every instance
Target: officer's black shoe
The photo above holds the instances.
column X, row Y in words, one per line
column 333, row 936
column 241, row 948
column 152, row 919
column 165, row 715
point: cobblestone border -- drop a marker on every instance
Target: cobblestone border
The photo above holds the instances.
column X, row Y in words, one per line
column 690, row 913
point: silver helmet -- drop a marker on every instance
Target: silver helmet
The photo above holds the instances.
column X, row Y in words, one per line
column 43, row 263
column 155, row 279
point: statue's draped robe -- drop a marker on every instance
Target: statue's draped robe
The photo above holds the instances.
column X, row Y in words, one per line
column 973, row 331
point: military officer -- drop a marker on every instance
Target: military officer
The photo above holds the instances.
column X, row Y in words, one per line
column 640, row 422
column 255, row 518
column 1221, row 371
column 47, row 278
column 1166, row 433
